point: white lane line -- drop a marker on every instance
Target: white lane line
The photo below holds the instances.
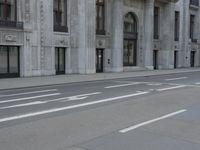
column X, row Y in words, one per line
column 154, row 84
column 69, row 107
column 171, row 88
column 26, row 93
column 122, row 85
column 71, row 98
column 152, row 121
column 173, row 79
column 22, row 105
column 28, row 98
column 198, row 83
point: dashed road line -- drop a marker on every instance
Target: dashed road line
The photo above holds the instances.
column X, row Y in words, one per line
column 122, row 85
column 22, row 105
column 26, row 93
column 73, row 98
column 173, row 79
column 152, row 121
column 63, row 99
column 28, row 98
column 69, row 107
column 171, row 88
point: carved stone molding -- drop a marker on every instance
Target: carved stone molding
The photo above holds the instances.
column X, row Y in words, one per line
column 10, row 38
column 100, row 43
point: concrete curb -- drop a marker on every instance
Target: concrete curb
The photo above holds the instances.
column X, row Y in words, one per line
column 14, row 83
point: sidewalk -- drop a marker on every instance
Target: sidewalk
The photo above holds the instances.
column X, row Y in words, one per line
column 61, row 79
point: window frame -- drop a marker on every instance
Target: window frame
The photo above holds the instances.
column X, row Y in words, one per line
column 100, row 5
column 192, row 25
column 5, row 11
column 177, row 26
column 58, row 27
column 156, row 22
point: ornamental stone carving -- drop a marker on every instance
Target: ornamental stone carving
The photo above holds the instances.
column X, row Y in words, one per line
column 10, row 38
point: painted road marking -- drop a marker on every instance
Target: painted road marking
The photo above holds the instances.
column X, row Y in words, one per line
column 71, row 98
column 28, row 98
column 173, row 79
column 151, row 121
column 22, row 105
column 69, row 107
column 170, row 88
column 122, row 85
column 198, row 83
column 26, row 93
column 154, row 84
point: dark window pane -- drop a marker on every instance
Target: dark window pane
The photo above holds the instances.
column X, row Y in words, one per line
column 100, row 16
column 156, row 23
column 60, row 15
column 3, row 60
column 130, row 24
column 8, row 10
column 13, row 59
column 177, row 26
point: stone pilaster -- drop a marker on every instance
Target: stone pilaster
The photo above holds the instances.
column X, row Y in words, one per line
column 167, row 36
column 184, row 34
column 86, row 36
column 46, row 32
column 117, row 36
column 148, row 33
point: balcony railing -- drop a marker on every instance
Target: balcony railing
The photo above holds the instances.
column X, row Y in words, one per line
column 11, row 24
column 194, row 2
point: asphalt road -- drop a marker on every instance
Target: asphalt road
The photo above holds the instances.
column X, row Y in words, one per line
column 143, row 113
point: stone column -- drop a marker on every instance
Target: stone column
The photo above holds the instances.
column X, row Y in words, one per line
column 184, row 33
column 167, row 36
column 117, row 36
column 46, row 32
column 86, row 36
column 148, row 33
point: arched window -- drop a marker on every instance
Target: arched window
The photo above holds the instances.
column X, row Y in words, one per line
column 100, row 16
column 130, row 40
column 130, row 23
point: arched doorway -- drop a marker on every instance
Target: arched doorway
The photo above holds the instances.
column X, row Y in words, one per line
column 130, row 40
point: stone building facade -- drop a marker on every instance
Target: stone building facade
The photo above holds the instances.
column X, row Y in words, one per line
column 49, row 37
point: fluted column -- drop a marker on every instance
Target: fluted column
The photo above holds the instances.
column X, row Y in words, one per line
column 117, row 36
column 148, row 33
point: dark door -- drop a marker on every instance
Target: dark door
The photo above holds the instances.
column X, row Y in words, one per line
column 130, row 53
column 192, row 59
column 175, row 59
column 60, row 60
column 99, row 60
column 155, row 59
column 9, row 61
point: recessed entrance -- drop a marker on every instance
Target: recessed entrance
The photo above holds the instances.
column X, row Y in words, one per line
column 192, row 59
column 9, row 61
column 99, row 60
column 130, row 53
column 175, row 59
column 60, row 60
column 130, row 40
column 155, row 59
